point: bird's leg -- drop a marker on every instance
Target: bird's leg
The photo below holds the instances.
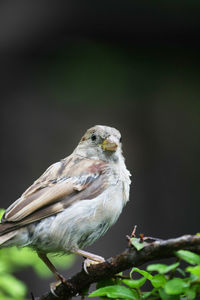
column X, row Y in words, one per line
column 51, row 267
column 90, row 258
column 93, row 257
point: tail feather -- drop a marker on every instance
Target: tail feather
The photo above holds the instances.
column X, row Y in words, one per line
column 6, row 237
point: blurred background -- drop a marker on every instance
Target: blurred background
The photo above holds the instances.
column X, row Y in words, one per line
column 66, row 66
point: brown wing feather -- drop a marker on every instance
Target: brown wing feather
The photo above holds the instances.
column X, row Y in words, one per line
column 60, row 181
column 40, row 198
column 54, row 171
column 92, row 191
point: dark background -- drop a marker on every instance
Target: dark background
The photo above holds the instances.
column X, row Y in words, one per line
column 134, row 65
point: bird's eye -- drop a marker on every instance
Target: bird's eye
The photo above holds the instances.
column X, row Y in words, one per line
column 93, row 137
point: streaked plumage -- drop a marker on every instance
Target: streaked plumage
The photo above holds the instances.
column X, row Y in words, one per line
column 75, row 201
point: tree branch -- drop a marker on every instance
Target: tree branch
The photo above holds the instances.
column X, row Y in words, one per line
column 152, row 250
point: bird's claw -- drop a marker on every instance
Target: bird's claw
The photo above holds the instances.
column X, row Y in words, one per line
column 54, row 285
column 88, row 262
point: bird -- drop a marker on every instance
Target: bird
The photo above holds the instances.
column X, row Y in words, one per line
column 73, row 203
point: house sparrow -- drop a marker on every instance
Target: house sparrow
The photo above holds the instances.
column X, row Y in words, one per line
column 74, row 202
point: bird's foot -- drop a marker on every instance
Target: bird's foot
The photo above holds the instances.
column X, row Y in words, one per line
column 53, row 285
column 95, row 260
column 90, row 258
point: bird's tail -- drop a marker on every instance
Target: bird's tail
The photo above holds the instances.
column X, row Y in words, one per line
column 6, row 236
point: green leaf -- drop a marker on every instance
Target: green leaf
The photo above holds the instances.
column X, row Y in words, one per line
column 176, row 286
column 162, row 268
column 165, row 296
column 115, row 291
column 146, row 294
column 182, row 272
column 194, row 270
column 12, row 286
column 136, row 284
column 197, row 288
column 158, row 280
column 137, row 243
column 3, row 266
column 105, row 282
column 188, row 256
column 190, row 294
column 1, row 212
column 142, row 272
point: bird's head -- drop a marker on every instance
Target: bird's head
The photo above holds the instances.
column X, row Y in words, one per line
column 100, row 142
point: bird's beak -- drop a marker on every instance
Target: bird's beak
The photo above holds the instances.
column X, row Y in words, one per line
column 109, row 145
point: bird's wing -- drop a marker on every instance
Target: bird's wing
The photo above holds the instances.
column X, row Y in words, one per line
column 63, row 183
column 98, row 185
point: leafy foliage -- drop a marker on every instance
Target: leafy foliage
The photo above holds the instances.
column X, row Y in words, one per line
column 137, row 243
column 14, row 259
column 168, row 282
